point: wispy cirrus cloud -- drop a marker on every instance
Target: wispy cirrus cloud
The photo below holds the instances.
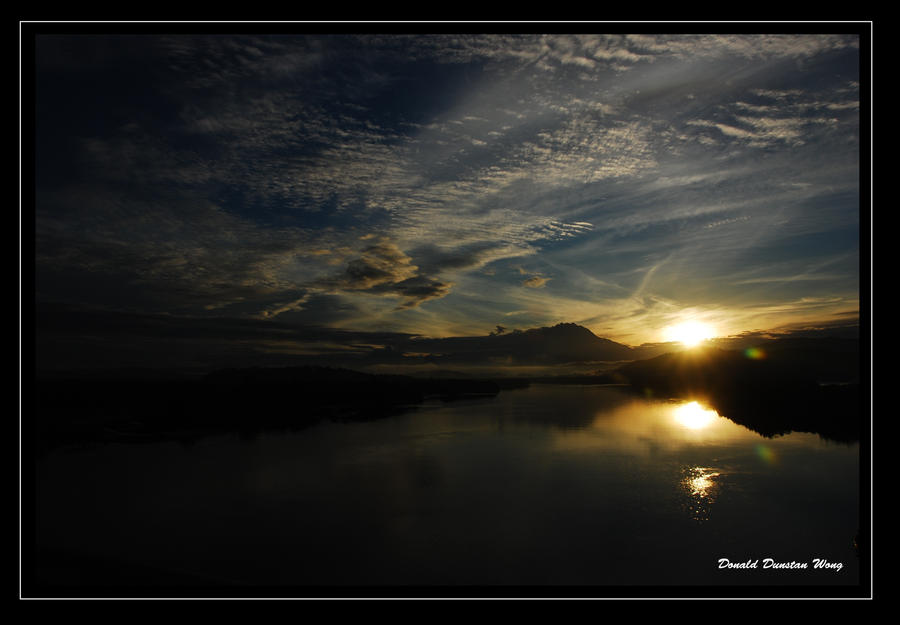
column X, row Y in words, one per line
column 401, row 180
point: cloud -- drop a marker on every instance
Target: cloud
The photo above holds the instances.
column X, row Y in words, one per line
column 742, row 46
column 277, row 176
column 382, row 263
column 766, row 118
column 420, row 289
column 280, row 308
column 535, row 282
column 384, row 269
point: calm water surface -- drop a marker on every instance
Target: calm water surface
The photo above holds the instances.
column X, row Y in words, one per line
column 547, row 485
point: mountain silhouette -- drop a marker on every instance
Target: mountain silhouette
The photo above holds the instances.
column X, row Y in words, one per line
column 562, row 343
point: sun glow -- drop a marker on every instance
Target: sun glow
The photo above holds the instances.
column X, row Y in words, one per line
column 694, row 416
column 690, row 333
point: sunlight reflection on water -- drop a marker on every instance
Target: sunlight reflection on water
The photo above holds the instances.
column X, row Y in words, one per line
column 692, row 415
column 702, row 486
column 512, row 490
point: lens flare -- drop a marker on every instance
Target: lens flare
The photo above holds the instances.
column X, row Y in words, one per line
column 754, row 353
column 766, row 454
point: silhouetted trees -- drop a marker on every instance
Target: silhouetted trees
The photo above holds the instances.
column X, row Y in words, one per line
column 239, row 400
column 773, row 395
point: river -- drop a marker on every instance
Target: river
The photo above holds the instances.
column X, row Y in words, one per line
column 552, row 485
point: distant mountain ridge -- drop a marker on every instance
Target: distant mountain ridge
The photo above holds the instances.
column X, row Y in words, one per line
column 73, row 342
column 562, row 343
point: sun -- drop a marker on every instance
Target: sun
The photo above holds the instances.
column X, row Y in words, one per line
column 690, row 333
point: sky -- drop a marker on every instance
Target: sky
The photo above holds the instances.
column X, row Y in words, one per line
column 442, row 185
